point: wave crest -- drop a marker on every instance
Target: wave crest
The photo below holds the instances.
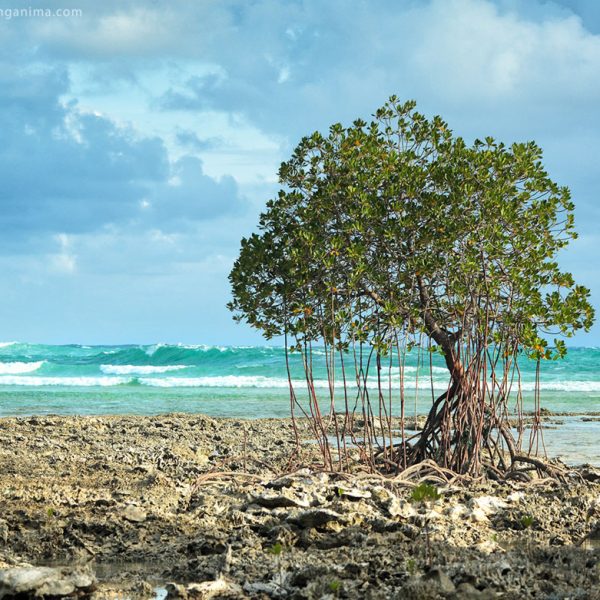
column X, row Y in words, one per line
column 13, row 368
column 139, row 369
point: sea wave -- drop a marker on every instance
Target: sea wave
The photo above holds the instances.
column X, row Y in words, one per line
column 152, row 376
column 139, row 369
column 12, row 368
column 32, row 380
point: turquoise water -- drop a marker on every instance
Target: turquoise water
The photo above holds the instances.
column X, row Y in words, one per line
column 228, row 381
column 252, row 382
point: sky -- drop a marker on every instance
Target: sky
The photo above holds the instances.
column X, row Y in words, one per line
column 140, row 139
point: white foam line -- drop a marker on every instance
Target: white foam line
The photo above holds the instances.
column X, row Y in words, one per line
column 32, row 380
column 139, row 369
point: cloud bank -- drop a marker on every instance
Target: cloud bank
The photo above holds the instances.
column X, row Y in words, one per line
column 140, row 140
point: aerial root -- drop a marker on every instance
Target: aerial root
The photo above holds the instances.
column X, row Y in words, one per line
column 552, row 470
column 222, row 477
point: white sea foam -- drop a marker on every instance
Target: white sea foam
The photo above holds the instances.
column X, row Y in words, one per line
column 6, row 344
column 563, row 386
column 32, row 380
column 233, row 381
column 151, row 350
column 13, row 368
column 260, row 381
column 139, row 369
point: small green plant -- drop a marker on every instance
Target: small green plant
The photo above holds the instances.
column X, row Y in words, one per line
column 50, row 512
column 335, row 586
column 423, row 494
column 526, row 521
column 527, row 524
column 276, row 550
column 411, row 566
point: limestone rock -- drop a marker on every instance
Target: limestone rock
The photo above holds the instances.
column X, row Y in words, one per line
column 353, row 493
column 515, row 497
column 45, row 581
column 441, row 580
column 219, row 588
column 315, row 518
column 488, row 504
column 282, row 500
column 134, row 514
column 456, row 512
column 396, row 508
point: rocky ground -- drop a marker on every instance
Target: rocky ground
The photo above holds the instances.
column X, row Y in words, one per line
column 114, row 507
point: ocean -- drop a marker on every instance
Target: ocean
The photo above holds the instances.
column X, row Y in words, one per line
column 251, row 382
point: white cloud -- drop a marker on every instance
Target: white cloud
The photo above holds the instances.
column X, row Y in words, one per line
column 473, row 52
column 64, row 261
column 134, row 32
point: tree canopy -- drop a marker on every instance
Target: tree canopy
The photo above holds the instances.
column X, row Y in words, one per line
column 396, row 229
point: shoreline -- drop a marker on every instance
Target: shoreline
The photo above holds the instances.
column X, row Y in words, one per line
column 184, row 498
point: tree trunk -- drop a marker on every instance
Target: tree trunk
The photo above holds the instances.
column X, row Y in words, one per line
column 428, row 444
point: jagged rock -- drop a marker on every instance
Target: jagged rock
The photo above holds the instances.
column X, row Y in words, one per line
column 441, row 580
column 219, row 588
column 488, row 546
column 456, row 511
column 477, row 515
column 516, row 497
column 271, row 500
column 4, row 531
column 431, row 515
column 467, row 591
column 590, row 473
column 353, row 493
column 316, row 518
column 64, row 492
column 396, row 508
column 488, row 504
column 46, row 581
column 134, row 514
column 303, row 475
column 270, row 589
column 176, row 590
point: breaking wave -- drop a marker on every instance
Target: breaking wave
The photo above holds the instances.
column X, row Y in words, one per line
column 11, row 368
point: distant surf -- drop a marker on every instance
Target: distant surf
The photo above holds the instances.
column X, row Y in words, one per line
column 143, row 374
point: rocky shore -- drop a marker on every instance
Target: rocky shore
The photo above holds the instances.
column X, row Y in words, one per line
column 197, row 507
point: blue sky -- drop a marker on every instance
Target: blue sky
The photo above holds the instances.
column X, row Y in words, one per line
column 141, row 139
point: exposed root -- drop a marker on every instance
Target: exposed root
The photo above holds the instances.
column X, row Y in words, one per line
column 223, row 476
